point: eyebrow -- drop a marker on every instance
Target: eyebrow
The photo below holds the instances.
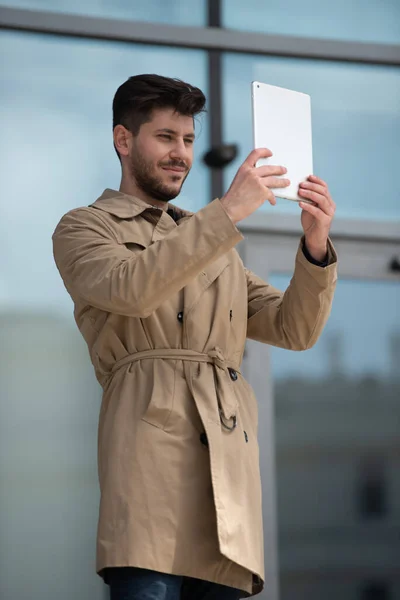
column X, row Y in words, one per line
column 172, row 132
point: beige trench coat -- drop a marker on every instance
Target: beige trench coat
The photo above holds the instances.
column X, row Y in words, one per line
column 165, row 309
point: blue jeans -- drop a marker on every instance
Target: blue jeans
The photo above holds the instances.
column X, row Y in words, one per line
column 131, row 583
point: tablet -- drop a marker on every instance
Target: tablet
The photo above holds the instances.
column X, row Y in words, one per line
column 282, row 123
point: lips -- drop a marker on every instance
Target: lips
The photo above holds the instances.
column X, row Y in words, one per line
column 175, row 169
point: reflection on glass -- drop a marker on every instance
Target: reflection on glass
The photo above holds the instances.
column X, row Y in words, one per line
column 56, row 153
column 49, row 405
column 337, row 415
column 56, row 150
column 356, row 126
column 174, row 12
column 377, row 21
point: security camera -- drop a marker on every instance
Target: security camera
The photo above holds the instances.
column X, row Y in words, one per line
column 220, row 156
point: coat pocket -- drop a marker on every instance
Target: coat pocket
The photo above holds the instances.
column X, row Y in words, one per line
column 160, row 375
column 248, row 405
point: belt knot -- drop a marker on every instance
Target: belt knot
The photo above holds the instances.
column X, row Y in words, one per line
column 217, row 358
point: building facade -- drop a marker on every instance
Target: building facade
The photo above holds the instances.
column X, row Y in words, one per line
column 328, row 417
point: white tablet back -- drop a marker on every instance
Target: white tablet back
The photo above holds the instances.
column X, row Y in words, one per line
column 282, row 123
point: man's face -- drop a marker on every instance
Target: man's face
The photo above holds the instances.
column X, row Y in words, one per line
column 162, row 154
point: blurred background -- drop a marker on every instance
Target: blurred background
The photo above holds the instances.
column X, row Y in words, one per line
column 330, row 417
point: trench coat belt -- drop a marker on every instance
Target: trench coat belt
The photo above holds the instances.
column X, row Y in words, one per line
column 226, row 406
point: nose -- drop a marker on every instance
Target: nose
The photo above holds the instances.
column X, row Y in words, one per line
column 180, row 151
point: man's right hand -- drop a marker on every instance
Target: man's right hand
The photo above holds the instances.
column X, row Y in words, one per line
column 252, row 185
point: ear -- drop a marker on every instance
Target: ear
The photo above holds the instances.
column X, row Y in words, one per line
column 122, row 140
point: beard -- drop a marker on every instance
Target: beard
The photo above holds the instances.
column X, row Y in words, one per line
column 144, row 173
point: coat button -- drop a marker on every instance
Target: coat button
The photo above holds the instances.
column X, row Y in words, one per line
column 233, row 374
column 203, row 439
column 180, row 317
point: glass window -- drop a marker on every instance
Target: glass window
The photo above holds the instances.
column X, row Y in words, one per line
column 56, row 149
column 174, row 12
column 56, row 153
column 356, row 126
column 375, row 21
column 336, row 416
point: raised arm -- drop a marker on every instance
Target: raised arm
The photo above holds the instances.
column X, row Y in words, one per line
column 293, row 319
column 107, row 275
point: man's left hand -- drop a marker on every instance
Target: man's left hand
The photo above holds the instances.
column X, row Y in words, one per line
column 316, row 219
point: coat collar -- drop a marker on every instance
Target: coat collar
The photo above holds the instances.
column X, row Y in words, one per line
column 124, row 206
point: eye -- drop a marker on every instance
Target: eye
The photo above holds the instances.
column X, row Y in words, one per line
column 165, row 136
column 189, row 141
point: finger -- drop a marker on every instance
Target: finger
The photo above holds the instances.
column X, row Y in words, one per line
column 275, row 182
column 267, row 170
column 320, row 200
column 316, row 179
column 255, row 155
column 319, row 214
column 314, row 187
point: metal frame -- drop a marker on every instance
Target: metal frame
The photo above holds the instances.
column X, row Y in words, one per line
column 268, row 251
column 370, row 258
column 372, row 244
column 271, row 241
column 205, row 38
column 215, row 98
column 357, row 230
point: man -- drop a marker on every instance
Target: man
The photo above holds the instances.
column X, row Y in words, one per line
column 165, row 305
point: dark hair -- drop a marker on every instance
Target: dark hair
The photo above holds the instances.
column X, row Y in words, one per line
column 136, row 99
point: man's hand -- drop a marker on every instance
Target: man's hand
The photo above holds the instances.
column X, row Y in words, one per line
column 316, row 219
column 252, row 185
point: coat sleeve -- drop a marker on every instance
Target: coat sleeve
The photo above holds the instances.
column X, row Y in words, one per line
column 293, row 319
column 108, row 276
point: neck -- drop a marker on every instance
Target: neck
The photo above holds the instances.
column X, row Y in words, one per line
column 130, row 188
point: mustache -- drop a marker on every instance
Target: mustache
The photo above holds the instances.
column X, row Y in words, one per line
column 175, row 163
